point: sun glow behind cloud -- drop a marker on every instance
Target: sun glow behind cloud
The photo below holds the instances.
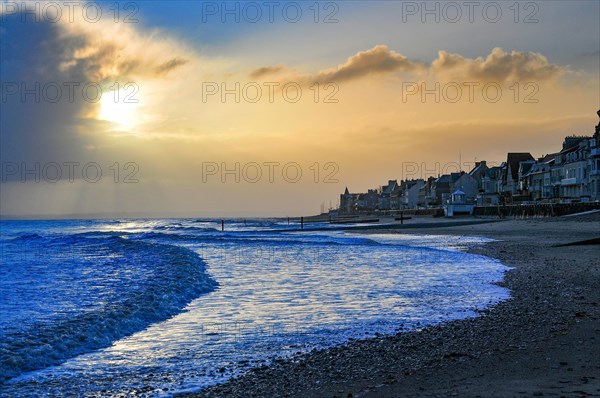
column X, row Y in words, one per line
column 122, row 113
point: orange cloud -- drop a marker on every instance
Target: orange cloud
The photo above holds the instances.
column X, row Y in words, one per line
column 107, row 50
column 378, row 60
column 499, row 66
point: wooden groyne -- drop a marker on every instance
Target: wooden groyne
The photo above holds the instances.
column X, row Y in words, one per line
column 440, row 224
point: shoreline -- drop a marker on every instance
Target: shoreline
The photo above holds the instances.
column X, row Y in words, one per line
column 544, row 341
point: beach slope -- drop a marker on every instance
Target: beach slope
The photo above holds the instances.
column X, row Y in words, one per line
column 545, row 341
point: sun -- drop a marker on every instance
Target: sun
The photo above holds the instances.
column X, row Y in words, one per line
column 117, row 109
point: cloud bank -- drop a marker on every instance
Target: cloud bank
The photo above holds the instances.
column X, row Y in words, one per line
column 499, row 66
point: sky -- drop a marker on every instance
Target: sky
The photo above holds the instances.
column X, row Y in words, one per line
column 242, row 109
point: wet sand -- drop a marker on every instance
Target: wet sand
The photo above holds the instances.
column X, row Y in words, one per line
column 544, row 341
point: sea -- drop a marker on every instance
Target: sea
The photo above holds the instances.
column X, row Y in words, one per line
column 155, row 307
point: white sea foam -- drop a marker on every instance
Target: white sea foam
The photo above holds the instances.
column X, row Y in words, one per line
column 278, row 294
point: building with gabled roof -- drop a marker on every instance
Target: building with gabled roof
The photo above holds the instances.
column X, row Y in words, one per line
column 389, row 195
column 410, row 193
column 573, row 176
column 510, row 176
column 539, row 181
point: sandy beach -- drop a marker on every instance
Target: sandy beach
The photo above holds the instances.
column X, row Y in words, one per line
column 544, row 341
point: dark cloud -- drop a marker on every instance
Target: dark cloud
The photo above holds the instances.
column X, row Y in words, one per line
column 170, row 65
column 37, row 127
column 593, row 54
column 266, row 71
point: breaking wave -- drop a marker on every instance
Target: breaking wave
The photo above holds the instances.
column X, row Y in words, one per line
column 99, row 288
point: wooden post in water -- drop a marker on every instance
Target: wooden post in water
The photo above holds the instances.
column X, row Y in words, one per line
column 222, row 225
column 288, row 221
column 302, row 222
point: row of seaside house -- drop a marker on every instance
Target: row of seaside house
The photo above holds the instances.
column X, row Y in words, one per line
column 569, row 176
